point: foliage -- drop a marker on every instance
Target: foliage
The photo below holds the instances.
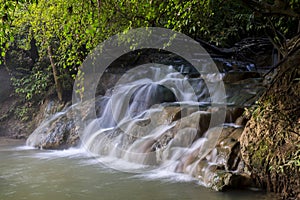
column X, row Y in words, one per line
column 7, row 8
column 22, row 113
column 32, row 86
column 73, row 28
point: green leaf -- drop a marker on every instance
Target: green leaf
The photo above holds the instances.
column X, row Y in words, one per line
column 11, row 39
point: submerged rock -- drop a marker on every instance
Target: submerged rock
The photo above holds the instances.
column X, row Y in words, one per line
column 181, row 136
column 222, row 167
column 173, row 128
column 151, row 124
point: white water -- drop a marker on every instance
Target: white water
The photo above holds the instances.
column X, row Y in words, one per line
column 118, row 139
column 133, row 133
column 128, row 133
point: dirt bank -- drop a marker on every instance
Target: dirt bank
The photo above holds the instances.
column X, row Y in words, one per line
column 4, row 141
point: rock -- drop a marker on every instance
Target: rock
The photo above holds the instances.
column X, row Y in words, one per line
column 226, row 180
column 232, row 114
column 61, row 135
column 233, row 77
column 149, row 95
column 58, row 130
column 241, row 121
column 6, row 89
column 223, row 167
column 187, row 132
column 270, row 140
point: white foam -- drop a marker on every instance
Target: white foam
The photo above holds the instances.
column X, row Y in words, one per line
column 164, row 175
column 25, row 147
column 122, row 165
column 232, row 125
column 52, row 154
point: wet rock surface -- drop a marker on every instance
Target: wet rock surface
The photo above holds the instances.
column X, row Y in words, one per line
column 219, row 168
column 183, row 132
column 61, row 135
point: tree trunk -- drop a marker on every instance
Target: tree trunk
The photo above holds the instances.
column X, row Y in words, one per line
column 58, row 86
column 99, row 8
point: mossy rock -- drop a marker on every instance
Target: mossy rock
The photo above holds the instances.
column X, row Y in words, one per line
column 270, row 143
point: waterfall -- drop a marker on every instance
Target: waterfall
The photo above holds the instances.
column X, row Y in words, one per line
column 152, row 118
column 157, row 118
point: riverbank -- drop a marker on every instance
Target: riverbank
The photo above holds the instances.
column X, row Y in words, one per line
column 264, row 126
column 7, row 141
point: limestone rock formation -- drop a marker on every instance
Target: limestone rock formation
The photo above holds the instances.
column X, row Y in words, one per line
column 270, row 143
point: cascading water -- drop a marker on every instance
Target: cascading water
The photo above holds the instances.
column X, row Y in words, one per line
column 152, row 118
column 157, row 118
column 132, row 121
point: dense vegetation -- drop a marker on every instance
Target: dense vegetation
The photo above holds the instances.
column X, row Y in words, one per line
column 59, row 34
column 43, row 43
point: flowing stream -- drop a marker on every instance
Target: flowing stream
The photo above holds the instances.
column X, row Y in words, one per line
column 73, row 174
column 154, row 132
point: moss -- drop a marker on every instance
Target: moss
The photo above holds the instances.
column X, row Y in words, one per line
column 270, row 143
column 260, row 154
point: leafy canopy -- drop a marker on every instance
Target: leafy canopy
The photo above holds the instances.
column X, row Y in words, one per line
column 73, row 28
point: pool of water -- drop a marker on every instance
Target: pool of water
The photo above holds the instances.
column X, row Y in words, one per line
column 72, row 174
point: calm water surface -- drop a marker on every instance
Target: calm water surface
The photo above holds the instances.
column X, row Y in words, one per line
column 58, row 175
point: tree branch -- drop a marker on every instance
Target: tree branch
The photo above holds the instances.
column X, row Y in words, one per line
column 58, row 85
column 293, row 49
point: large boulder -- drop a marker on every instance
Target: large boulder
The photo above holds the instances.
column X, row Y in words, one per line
column 270, row 143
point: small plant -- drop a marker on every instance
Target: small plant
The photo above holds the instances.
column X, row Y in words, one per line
column 32, row 86
column 293, row 162
column 22, row 113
